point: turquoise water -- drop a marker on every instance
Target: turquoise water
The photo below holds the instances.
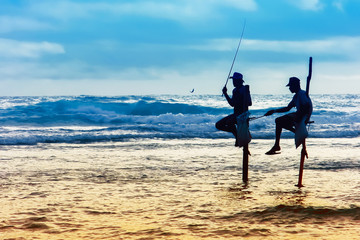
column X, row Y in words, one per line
column 32, row 120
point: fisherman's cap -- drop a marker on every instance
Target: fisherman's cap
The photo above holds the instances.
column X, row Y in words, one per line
column 237, row 76
column 293, row 81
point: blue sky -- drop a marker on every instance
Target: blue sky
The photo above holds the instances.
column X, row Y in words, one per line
column 104, row 47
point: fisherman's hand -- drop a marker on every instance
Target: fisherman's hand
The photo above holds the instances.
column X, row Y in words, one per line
column 271, row 112
column 224, row 90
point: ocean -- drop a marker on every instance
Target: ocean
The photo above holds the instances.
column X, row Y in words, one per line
column 85, row 119
column 155, row 167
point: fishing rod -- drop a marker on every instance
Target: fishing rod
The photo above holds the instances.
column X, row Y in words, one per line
column 254, row 118
column 237, row 50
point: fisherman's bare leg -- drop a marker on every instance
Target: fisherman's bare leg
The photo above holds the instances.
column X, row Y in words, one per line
column 227, row 124
column 287, row 122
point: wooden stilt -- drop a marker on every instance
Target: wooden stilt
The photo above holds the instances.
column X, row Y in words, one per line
column 245, row 175
column 302, row 160
column 303, row 150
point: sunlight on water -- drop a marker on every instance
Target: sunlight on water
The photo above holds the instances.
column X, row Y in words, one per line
column 179, row 189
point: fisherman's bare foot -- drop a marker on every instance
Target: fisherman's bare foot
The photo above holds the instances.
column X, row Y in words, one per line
column 273, row 150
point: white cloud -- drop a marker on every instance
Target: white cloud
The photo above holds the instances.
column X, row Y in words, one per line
column 247, row 5
column 221, row 44
column 179, row 10
column 207, row 77
column 14, row 48
column 343, row 46
column 312, row 5
column 264, row 78
column 339, row 4
column 10, row 24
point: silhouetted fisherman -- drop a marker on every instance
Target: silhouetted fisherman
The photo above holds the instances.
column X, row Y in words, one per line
column 240, row 101
column 304, row 108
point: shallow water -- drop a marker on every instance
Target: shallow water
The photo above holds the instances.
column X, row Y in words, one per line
column 179, row 189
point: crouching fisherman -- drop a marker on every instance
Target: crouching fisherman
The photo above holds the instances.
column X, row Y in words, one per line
column 294, row 122
column 240, row 101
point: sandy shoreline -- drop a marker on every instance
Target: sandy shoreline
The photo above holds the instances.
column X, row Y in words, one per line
column 179, row 189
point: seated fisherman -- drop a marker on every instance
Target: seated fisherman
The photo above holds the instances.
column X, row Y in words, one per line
column 303, row 105
column 240, row 101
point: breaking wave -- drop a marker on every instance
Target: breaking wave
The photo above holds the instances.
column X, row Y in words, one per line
column 32, row 120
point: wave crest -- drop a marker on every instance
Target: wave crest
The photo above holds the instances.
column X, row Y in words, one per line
column 29, row 120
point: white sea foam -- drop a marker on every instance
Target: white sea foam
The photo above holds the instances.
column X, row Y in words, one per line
column 31, row 120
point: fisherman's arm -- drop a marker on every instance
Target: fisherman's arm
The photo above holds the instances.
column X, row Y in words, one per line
column 281, row 110
column 228, row 99
column 278, row 110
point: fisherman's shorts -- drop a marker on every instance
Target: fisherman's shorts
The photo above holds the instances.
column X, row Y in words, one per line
column 287, row 121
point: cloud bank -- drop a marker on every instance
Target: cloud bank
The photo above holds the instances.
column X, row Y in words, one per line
column 22, row 49
column 343, row 46
column 178, row 10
